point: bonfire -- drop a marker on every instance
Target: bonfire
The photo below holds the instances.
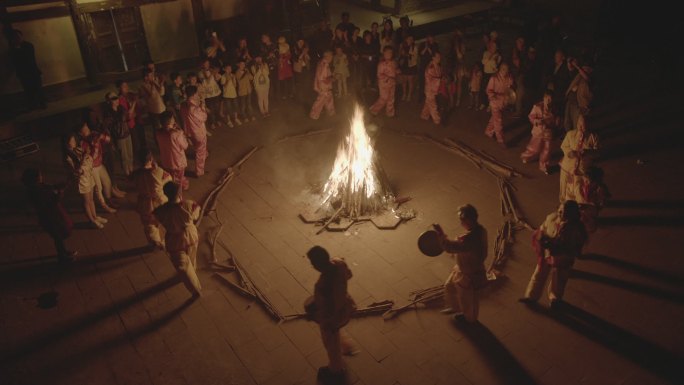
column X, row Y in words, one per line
column 356, row 186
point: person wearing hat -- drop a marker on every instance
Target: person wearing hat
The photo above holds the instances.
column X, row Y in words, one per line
column 578, row 95
column 323, row 86
column 178, row 218
column 331, row 308
column 115, row 122
column 558, row 241
column 469, row 273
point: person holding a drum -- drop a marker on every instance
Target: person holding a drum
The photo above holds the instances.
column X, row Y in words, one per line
column 469, row 273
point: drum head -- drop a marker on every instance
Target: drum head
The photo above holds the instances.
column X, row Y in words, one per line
column 429, row 243
column 511, row 97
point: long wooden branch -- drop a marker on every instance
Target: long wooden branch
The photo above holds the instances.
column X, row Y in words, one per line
column 303, row 135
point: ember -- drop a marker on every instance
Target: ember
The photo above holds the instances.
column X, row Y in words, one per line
column 356, row 183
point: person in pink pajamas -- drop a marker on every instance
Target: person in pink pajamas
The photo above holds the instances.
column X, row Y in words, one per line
column 543, row 122
column 194, row 116
column 323, row 86
column 497, row 91
column 433, row 76
column 387, row 83
column 172, row 146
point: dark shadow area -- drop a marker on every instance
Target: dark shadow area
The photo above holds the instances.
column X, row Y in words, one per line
column 631, row 286
column 41, row 340
column 72, row 362
column 38, row 264
column 638, row 220
column 504, row 365
column 521, row 132
column 646, row 204
column 659, row 361
column 637, row 147
column 639, row 269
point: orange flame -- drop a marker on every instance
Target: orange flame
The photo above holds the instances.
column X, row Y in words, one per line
column 354, row 180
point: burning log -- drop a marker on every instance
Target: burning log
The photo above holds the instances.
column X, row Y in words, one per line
column 329, row 221
column 356, row 183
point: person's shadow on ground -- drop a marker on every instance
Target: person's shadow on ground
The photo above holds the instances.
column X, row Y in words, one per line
column 502, row 363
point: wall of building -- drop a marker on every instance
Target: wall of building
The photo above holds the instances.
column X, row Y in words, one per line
column 223, row 9
column 57, row 52
column 170, row 30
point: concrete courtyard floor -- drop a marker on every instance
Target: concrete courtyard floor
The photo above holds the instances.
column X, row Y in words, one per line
column 122, row 318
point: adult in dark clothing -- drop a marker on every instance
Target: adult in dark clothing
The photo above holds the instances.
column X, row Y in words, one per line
column 51, row 214
column 269, row 52
column 346, row 25
column 23, row 57
column 368, row 58
column 375, row 35
column 533, row 76
column 320, row 42
column 403, row 31
column 558, row 79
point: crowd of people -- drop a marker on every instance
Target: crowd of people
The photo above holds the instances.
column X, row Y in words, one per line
column 183, row 110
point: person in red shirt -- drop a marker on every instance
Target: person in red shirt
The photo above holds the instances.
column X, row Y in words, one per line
column 388, row 70
column 172, row 145
column 92, row 142
column 194, row 116
column 323, row 86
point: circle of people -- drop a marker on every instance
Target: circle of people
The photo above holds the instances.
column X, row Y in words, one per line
column 181, row 110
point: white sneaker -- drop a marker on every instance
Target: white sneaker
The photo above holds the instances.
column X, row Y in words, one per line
column 101, row 220
column 98, row 225
column 238, row 122
column 230, row 124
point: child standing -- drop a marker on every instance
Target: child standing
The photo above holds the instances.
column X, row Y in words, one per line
column 341, row 71
column 208, row 77
column 285, row 69
column 244, row 81
column 262, row 84
column 474, row 86
column 230, row 101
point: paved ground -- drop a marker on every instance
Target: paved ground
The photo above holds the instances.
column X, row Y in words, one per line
column 121, row 318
